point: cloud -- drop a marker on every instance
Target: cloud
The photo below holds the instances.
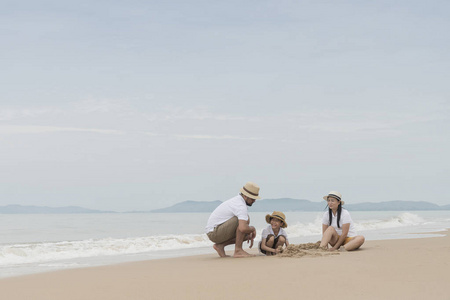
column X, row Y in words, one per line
column 8, row 114
column 89, row 106
column 83, row 107
column 15, row 129
column 202, row 136
column 359, row 121
column 173, row 113
column 213, row 137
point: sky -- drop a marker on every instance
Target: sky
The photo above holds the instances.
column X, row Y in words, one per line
column 138, row 105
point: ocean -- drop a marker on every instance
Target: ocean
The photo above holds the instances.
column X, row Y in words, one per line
column 41, row 243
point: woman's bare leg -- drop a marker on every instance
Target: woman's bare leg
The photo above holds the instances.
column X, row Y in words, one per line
column 354, row 243
column 330, row 236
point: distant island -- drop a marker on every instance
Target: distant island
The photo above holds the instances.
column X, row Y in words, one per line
column 266, row 205
column 288, row 204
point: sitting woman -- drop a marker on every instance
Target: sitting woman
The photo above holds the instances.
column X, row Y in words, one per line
column 274, row 235
column 337, row 226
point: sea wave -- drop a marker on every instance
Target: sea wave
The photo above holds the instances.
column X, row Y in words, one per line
column 402, row 220
column 49, row 252
column 305, row 229
column 315, row 227
column 53, row 251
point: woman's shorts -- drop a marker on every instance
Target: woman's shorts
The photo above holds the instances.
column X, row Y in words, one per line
column 347, row 239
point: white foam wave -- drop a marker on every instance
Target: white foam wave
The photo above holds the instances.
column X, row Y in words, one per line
column 315, row 227
column 50, row 252
column 54, row 251
column 305, row 229
column 402, row 220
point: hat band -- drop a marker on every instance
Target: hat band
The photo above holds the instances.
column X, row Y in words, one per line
column 334, row 196
column 282, row 219
column 249, row 192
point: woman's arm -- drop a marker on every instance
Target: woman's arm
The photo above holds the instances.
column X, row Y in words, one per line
column 324, row 227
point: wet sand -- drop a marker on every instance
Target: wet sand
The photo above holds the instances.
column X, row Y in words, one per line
column 390, row 269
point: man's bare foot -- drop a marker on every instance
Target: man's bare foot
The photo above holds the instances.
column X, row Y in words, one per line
column 220, row 250
column 242, row 253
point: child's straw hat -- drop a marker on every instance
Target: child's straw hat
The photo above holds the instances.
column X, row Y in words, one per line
column 277, row 215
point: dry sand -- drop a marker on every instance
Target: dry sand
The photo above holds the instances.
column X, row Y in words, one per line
column 391, row 269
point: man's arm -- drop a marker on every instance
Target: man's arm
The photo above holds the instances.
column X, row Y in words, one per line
column 250, row 230
column 245, row 228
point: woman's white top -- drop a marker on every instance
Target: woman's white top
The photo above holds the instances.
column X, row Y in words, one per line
column 345, row 219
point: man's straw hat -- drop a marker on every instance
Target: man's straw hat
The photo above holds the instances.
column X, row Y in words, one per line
column 250, row 190
column 335, row 195
column 277, row 215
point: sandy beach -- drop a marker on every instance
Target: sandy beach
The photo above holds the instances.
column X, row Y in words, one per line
column 389, row 269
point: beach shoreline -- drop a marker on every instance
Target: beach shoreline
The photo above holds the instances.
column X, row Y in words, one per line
column 383, row 269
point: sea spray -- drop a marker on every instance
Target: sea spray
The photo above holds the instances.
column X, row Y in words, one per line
column 402, row 220
column 298, row 229
column 64, row 250
column 39, row 243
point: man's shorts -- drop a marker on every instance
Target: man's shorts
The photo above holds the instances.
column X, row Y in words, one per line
column 225, row 231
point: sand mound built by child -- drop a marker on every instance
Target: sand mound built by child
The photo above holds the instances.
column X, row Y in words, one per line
column 308, row 249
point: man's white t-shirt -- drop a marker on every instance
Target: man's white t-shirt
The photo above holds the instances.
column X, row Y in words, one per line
column 235, row 206
column 345, row 219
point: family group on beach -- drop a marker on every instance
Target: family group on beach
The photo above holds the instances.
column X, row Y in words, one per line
column 229, row 224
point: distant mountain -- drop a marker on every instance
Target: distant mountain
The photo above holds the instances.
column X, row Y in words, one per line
column 189, row 206
column 288, row 204
column 446, row 207
column 19, row 209
column 266, row 205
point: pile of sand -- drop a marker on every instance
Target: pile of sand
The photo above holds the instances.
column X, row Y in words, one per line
column 309, row 249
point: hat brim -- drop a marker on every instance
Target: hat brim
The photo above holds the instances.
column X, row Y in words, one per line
column 268, row 217
column 244, row 192
column 326, row 198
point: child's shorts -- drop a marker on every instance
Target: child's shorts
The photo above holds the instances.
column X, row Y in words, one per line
column 274, row 243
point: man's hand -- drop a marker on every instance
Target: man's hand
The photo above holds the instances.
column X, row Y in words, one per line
column 251, row 240
column 251, row 236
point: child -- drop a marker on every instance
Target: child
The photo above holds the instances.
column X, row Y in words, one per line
column 274, row 235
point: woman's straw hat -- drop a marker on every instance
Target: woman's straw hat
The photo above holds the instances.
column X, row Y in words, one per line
column 335, row 195
column 250, row 190
column 277, row 215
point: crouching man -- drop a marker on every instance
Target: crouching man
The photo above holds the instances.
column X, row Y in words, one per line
column 229, row 223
